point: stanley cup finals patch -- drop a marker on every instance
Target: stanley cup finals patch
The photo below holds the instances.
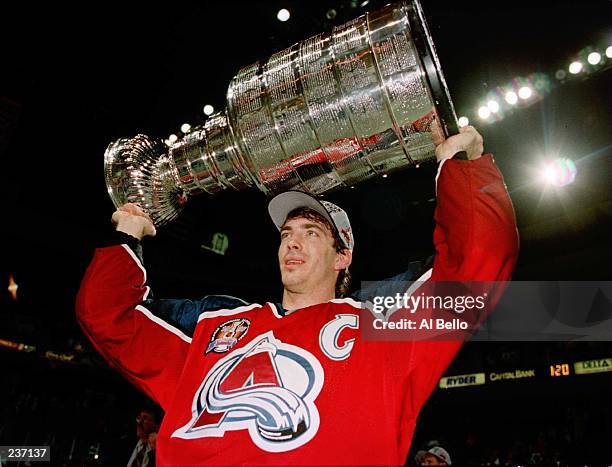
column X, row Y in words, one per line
column 227, row 335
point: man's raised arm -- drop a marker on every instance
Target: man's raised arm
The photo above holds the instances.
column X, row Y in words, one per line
column 148, row 351
column 476, row 240
column 475, row 236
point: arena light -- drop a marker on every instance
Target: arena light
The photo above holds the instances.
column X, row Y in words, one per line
column 172, row 138
column 541, row 83
column 208, row 109
column 609, row 52
column 549, row 174
column 511, row 97
column 525, row 92
column 575, row 68
column 463, row 121
column 484, row 112
column 283, row 15
column 560, row 75
column 185, row 127
column 12, row 288
column 594, row 58
column 559, row 173
column 493, row 106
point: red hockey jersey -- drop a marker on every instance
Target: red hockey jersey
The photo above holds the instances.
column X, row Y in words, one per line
column 253, row 386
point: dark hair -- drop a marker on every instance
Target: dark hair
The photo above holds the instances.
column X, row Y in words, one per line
column 343, row 282
column 152, row 409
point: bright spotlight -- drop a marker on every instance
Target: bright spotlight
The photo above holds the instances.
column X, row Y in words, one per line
column 511, row 97
column 559, row 173
column 525, row 92
column 609, row 52
column 484, row 112
column 208, row 109
column 283, row 15
column 594, row 58
column 549, row 174
column 575, row 68
column 493, row 106
column 463, row 121
column 172, row 138
column 185, row 127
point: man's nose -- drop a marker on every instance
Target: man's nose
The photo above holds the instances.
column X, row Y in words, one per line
column 294, row 244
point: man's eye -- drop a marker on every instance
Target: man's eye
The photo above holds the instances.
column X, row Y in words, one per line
column 284, row 235
column 312, row 233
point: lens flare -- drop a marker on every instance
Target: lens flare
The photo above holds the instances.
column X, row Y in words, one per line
column 511, row 97
column 559, row 173
column 484, row 112
column 525, row 92
column 575, row 68
column 594, row 58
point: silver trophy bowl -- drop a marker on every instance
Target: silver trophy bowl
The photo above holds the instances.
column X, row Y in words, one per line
column 325, row 114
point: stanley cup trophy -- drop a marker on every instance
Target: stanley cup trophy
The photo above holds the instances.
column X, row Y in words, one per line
column 325, row 114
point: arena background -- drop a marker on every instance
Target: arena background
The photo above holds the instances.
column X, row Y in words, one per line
column 76, row 78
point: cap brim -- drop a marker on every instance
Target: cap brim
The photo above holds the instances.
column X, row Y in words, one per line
column 281, row 205
column 419, row 456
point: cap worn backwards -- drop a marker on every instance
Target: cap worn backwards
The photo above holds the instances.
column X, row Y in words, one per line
column 281, row 205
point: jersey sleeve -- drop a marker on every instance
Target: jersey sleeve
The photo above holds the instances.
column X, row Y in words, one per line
column 111, row 310
column 476, row 239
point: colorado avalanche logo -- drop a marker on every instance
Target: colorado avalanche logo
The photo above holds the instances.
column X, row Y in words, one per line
column 267, row 388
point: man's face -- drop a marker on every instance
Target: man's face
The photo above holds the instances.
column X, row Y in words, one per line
column 307, row 257
column 146, row 422
column 430, row 459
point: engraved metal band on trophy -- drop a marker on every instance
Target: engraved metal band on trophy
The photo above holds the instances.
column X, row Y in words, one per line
column 327, row 113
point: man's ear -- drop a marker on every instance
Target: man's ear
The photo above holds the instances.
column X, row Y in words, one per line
column 343, row 259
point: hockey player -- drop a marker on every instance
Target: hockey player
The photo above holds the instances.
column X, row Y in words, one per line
column 294, row 382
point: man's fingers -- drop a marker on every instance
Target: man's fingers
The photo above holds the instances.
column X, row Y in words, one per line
column 115, row 218
column 467, row 129
column 468, row 140
column 132, row 209
column 135, row 210
column 437, row 135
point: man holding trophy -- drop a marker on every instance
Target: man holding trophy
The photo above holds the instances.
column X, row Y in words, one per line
column 296, row 382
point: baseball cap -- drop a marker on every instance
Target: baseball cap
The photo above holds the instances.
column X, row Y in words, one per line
column 437, row 451
column 282, row 204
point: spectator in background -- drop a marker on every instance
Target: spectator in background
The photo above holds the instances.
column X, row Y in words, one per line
column 147, row 424
column 435, row 455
